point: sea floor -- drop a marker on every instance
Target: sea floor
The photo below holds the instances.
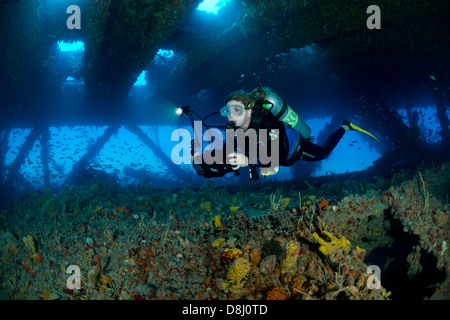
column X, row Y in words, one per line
column 381, row 240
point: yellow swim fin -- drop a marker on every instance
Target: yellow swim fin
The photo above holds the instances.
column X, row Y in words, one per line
column 354, row 127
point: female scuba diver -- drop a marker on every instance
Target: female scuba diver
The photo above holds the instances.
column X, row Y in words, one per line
column 264, row 109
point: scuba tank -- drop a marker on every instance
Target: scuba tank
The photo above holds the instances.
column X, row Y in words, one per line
column 283, row 112
column 296, row 128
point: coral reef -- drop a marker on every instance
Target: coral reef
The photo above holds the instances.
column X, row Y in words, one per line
column 8, row 247
column 149, row 244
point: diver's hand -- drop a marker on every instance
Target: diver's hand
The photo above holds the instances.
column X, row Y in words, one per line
column 196, row 160
column 195, row 157
column 237, row 160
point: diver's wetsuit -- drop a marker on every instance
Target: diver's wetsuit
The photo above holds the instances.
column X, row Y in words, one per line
column 263, row 119
column 313, row 152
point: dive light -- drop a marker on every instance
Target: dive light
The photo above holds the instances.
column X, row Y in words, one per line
column 184, row 111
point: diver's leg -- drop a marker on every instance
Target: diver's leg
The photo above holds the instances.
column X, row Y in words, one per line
column 333, row 140
column 313, row 152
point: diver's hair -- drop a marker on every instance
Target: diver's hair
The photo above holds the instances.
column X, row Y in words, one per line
column 242, row 97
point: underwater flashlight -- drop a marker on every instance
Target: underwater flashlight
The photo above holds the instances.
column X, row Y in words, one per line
column 184, row 111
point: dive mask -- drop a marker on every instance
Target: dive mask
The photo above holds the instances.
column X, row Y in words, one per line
column 235, row 110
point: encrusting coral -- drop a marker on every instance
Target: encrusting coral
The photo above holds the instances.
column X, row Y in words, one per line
column 8, row 247
column 155, row 250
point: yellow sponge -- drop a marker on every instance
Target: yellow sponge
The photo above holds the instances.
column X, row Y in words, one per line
column 238, row 270
column 334, row 245
column 28, row 241
column 291, row 254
